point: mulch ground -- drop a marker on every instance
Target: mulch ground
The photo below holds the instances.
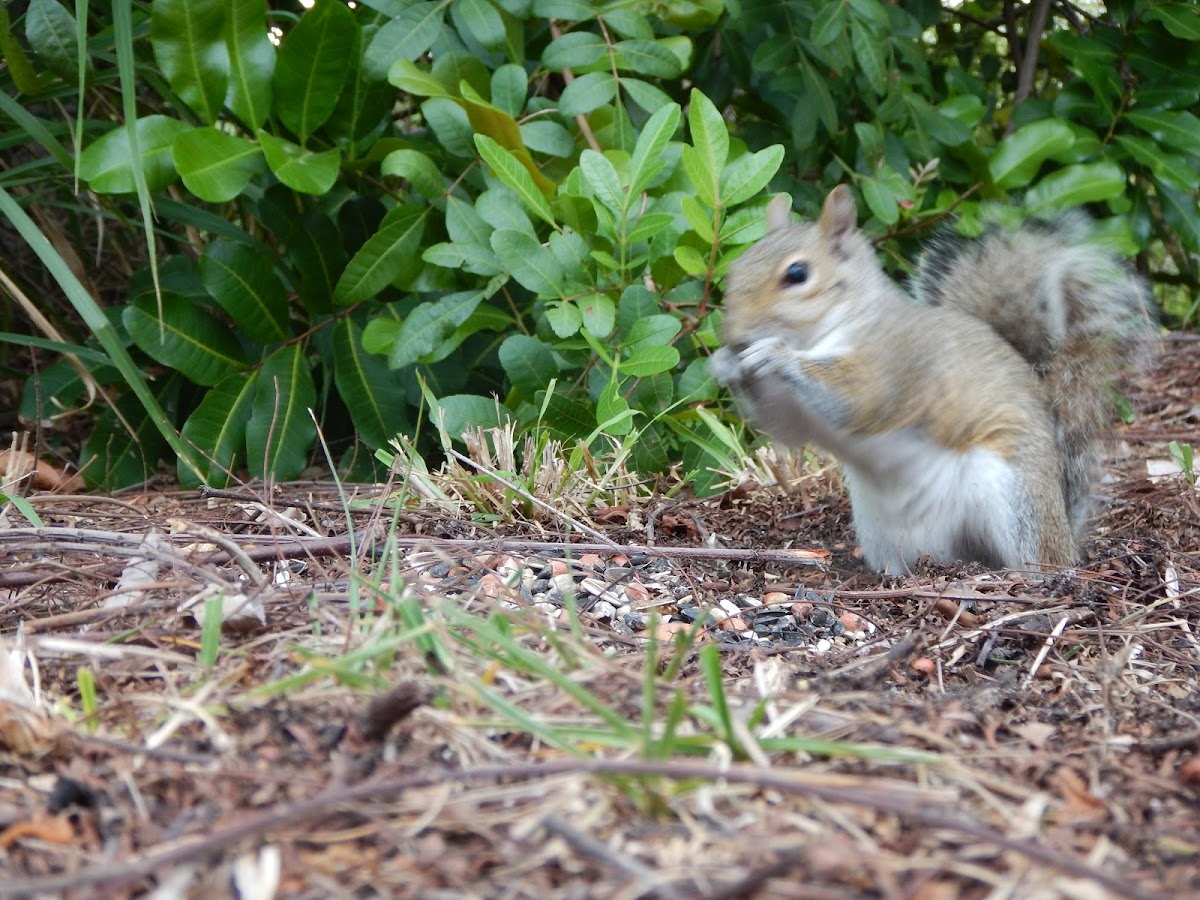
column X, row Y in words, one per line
column 953, row 733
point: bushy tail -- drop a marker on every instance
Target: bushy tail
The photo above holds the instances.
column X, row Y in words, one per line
column 1068, row 306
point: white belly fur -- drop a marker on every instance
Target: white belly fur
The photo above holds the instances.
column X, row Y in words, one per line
column 914, row 497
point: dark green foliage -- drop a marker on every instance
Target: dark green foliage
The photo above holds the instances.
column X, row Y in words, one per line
column 533, row 202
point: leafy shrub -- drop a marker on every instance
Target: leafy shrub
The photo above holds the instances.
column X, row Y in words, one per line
column 475, row 209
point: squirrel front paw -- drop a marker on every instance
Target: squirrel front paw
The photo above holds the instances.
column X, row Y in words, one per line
column 769, row 357
column 724, row 366
column 766, row 356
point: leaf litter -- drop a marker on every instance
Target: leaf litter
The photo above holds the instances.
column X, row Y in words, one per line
column 683, row 697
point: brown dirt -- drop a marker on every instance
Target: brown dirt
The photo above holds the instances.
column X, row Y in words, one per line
column 994, row 734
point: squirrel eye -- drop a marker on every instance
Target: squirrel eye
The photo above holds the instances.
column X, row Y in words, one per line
column 796, row 273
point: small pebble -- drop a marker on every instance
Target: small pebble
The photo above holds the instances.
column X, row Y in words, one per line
column 729, row 606
column 603, row 610
column 637, row 592
column 820, row 617
column 635, row 621
column 801, row 609
column 923, row 665
column 618, row 574
column 564, row 584
column 853, row 621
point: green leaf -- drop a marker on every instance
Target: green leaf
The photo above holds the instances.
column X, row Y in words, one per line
column 1169, row 167
column 828, row 24
column 301, row 170
column 613, row 415
column 312, row 65
column 533, row 265
column 691, row 14
column 426, row 328
column 647, row 58
column 544, row 136
column 217, row 427
column 709, row 148
column 1180, row 211
column 412, row 79
column 247, row 286
column 699, row 217
column 645, row 95
column 363, row 113
column 599, row 314
column 185, row 337
column 528, row 363
column 389, row 256
column 567, row 418
column 575, row 50
column 492, row 122
column 587, row 93
column 1177, row 129
column 819, row 97
column 602, row 176
column 650, row 361
column 564, row 318
column 478, row 259
column 649, row 226
column 419, row 170
column 940, row 126
column 479, row 19
column 106, row 164
column 464, row 224
column 510, row 171
column 189, row 46
column 510, row 84
column 251, row 61
column 315, row 249
column 215, row 166
column 405, row 38
column 120, row 453
column 1018, row 157
column 451, row 126
column 868, row 50
column 373, row 393
column 280, row 431
column 1182, row 20
column 881, row 201
column 705, row 182
column 647, row 159
column 747, row 175
column 20, row 69
column 1074, row 185
column 52, row 35
column 656, row 330
column 690, row 260
column 460, row 413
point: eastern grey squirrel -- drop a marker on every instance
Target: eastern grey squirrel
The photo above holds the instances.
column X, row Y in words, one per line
column 967, row 419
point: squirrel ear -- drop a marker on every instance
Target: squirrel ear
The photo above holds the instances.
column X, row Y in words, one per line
column 839, row 215
column 779, row 212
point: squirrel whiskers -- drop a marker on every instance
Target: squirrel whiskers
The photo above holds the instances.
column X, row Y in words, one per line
column 967, row 421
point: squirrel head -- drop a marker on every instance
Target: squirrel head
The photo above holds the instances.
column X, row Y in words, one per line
column 798, row 276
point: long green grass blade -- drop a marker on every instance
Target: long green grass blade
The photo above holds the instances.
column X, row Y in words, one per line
column 126, row 69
